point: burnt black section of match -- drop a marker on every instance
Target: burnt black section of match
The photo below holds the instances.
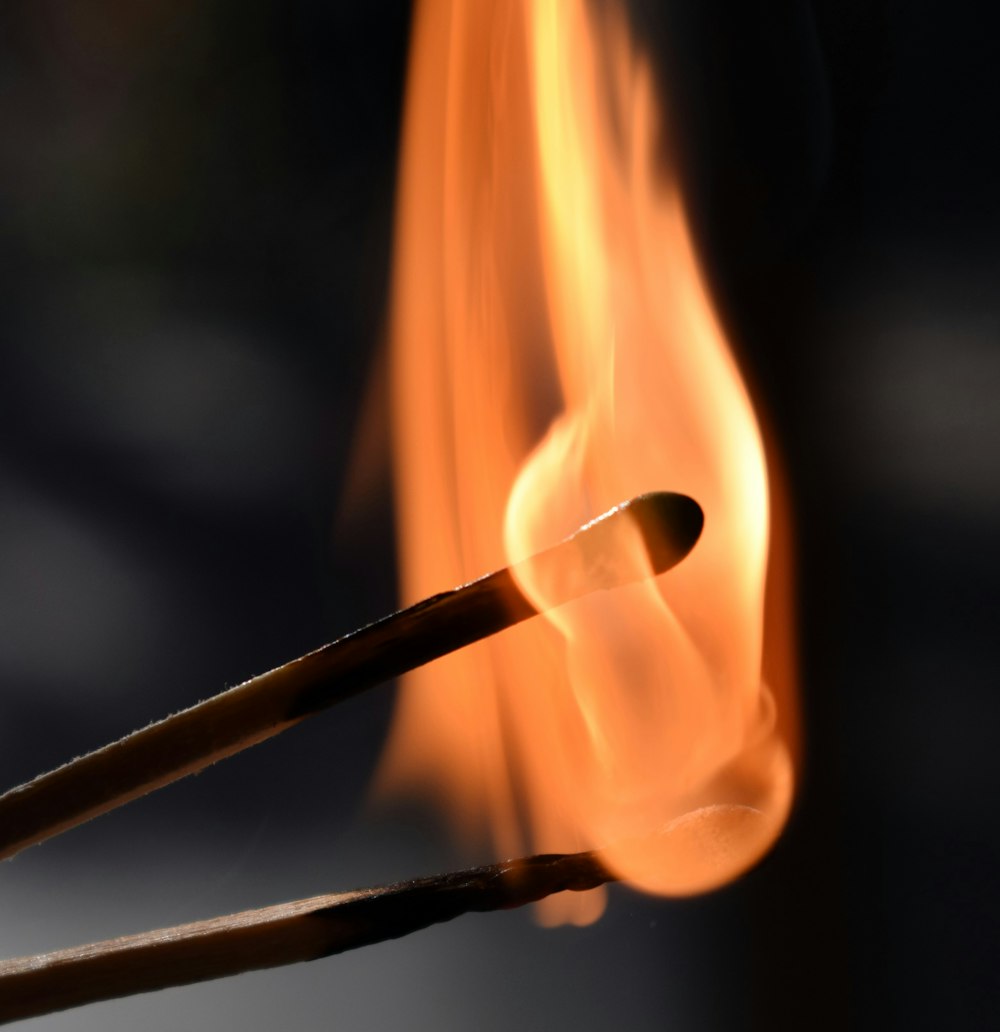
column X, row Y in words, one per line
column 670, row 525
column 410, row 906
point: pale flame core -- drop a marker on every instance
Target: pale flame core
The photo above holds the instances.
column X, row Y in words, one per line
column 555, row 352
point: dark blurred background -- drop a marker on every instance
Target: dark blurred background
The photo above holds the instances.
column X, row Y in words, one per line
column 195, row 219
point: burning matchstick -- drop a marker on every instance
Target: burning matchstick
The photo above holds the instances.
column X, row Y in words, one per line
column 309, row 929
column 597, row 556
column 288, row 933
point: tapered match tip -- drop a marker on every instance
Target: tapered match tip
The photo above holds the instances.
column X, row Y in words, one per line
column 670, row 525
column 636, row 540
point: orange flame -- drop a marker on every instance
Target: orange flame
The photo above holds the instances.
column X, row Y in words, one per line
column 555, row 352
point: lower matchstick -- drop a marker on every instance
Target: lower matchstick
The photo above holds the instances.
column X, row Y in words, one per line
column 284, row 934
column 598, row 556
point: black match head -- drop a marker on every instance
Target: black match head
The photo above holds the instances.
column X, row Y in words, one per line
column 602, row 554
column 670, row 525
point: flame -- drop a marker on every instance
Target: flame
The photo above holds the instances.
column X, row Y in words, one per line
column 555, row 352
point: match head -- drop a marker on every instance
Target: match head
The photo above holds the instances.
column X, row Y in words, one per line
column 670, row 525
column 636, row 540
column 662, row 525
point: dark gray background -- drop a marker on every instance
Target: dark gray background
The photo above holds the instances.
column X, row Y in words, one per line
column 195, row 216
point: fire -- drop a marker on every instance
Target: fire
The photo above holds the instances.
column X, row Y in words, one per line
column 555, row 352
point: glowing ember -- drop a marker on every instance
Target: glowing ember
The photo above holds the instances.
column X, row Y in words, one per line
column 554, row 353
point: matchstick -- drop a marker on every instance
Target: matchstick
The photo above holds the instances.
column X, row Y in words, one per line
column 306, row 929
column 597, row 556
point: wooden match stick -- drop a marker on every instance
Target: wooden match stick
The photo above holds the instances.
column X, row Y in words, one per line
column 306, row 929
column 597, row 556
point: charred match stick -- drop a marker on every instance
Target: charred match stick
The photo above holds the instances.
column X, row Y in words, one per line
column 306, row 929
column 597, row 556
column 711, row 838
